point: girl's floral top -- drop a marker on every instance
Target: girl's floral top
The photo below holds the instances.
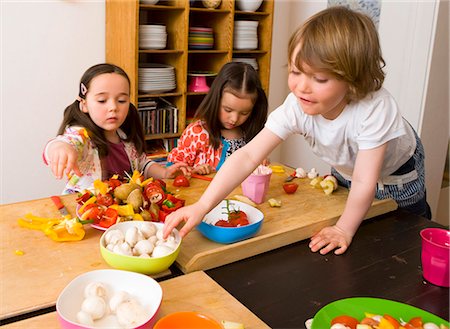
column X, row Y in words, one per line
column 194, row 149
column 89, row 160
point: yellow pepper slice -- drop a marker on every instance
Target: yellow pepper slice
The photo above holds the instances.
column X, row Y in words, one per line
column 277, row 169
column 100, row 187
column 138, row 217
column 92, row 199
column 148, row 180
column 125, row 210
column 67, row 230
column 37, row 223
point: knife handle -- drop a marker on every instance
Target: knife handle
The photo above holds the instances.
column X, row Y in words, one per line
column 57, row 201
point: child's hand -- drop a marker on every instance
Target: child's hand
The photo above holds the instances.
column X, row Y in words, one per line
column 203, row 169
column 192, row 215
column 330, row 238
column 177, row 167
column 62, row 159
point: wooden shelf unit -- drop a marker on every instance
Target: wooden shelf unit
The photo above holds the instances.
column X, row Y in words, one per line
column 123, row 18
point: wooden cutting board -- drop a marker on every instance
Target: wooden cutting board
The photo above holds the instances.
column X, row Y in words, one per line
column 191, row 292
column 300, row 216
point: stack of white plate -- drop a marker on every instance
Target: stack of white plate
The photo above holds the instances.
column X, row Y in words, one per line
column 246, row 35
column 156, row 78
column 152, row 36
column 252, row 61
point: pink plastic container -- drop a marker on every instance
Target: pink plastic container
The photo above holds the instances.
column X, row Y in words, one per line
column 255, row 187
column 436, row 255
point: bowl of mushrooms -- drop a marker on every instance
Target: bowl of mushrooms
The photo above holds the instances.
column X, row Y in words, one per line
column 138, row 246
column 109, row 299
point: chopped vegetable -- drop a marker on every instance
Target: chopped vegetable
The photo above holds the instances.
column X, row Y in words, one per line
column 274, row 202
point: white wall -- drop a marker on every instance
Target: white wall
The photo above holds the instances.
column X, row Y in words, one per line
column 45, row 48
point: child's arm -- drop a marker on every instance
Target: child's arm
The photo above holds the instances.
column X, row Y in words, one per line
column 364, row 180
column 62, row 158
column 157, row 171
column 237, row 167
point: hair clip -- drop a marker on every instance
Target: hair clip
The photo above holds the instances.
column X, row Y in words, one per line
column 83, row 89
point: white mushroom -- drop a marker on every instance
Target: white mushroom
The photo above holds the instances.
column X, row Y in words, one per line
column 430, row 325
column 159, row 235
column 313, row 173
column 118, row 298
column 130, row 313
column 133, row 235
column 148, row 229
column 123, row 249
column 94, row 306
column 161, row 251
column 95, row 289
column 114, row 237
column 143, row 247
column 85, row 319
column 300, row 173
column 153, row 239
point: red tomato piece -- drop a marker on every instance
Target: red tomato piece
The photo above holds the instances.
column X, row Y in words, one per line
column 109, row 218
column 91, row 211
column 416, row 322
column 83, row 198
column 105, row 199
column 238, row 218
column 223, row 223
column 181, row 181
column 346, row 320
column 113, row 183
column 290, row 188
column 160, row 182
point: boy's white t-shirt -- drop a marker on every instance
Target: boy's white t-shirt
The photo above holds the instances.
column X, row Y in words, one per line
column 362, row 125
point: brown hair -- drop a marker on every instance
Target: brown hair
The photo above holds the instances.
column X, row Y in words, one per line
column 132, row 125
column 241, row 80
column 344, row 43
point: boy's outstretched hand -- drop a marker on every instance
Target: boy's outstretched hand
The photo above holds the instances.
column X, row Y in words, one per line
column 62, row 159
column 191, row 215
column 330, row 238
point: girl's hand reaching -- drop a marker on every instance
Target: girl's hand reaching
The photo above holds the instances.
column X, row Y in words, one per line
column 177, row 167
column 62, row 159
column 203, row 169
column 330, row 238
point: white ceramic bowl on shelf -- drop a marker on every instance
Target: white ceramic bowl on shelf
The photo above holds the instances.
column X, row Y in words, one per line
column 149, row 2
column 249, row 5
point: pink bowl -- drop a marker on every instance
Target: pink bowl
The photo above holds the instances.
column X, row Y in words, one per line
column 436, row 255
column 143, row 288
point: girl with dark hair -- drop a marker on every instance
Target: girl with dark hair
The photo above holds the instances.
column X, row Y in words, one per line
column 230, row 115
column 101, row 134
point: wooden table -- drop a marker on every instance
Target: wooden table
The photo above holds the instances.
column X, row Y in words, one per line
column 193, row 292
column 287, row 286
column 33, row 281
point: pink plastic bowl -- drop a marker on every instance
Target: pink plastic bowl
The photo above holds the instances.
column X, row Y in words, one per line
column 436, row 255
column 146, row 290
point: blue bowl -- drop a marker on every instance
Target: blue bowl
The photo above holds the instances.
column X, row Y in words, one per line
column 227, row 235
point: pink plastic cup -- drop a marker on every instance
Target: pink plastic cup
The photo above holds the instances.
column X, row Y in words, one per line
column 255, row 187
column 435, row 255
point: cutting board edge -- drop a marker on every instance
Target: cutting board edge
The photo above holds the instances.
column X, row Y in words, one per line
column 281, row 239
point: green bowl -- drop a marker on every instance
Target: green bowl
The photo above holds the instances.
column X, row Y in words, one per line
column 357, row 306
column 134, row 263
